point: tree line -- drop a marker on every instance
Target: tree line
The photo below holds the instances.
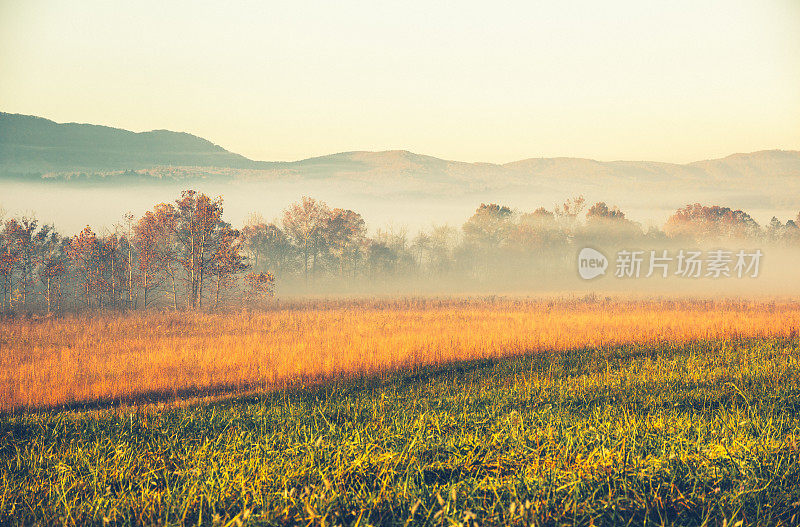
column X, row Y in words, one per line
column 184, row 255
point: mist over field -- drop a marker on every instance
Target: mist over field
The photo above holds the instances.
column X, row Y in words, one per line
column 408, row 223
column 400, row 263
column 60, row 202
column 50, row 169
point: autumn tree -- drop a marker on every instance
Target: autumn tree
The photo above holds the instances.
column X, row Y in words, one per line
column 8, row 263
column 345, row 232
column 608, row 224
column 198, row 229
column 259, row 286
column 700, row 222
column 540, row 217
column 85, row 253
column 783, row 233
column 489, row 226
column 52, row 269
column 253, row 225
column 21, row 236
column 381, row 259
column 484, row 234
column 268, row 248
column 128, row 252
column 442, row 243
column 227, row 260
column 305, row 223
column 568, row 212
column 420, row 248
column 601, row 212
column 535, row 243
column 433, row 251
column 23, row 250
column 395, row 242
column 537, row 231
column 154, row 236
column 204, row 245
column 791, row 232
column 112, row 268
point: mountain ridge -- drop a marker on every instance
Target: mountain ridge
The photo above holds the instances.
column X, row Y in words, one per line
column 9, row 130
column 33, row 148
column 35, row 144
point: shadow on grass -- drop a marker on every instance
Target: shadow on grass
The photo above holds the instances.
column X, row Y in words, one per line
column 319, row 387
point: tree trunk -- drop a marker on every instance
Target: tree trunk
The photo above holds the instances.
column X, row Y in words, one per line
column 201, row 270
column 113, row 285
column 174, row 291
column 305, row 260
column 191, row 301
column 144, row 293
column 130, row 276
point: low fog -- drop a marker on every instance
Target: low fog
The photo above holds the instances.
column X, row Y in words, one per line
column 263, row 243
column 71, row 206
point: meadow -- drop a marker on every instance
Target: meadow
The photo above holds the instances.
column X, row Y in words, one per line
column 160, row 356
column 441, row 412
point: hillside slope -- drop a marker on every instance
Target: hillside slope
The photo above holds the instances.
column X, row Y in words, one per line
column 34, row 145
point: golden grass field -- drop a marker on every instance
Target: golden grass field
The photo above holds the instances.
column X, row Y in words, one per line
column 406, row 412
column 161, row 355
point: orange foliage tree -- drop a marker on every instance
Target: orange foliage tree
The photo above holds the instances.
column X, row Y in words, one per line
column 700, row 222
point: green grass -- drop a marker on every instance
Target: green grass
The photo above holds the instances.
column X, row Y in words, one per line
column 657, row 434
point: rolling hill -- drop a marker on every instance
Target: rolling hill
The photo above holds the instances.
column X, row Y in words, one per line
column 34, row 145
column 41, row 159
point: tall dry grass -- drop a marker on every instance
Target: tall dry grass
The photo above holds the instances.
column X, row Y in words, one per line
column 51, row 362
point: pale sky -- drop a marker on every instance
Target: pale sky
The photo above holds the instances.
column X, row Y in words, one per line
column 676, row 80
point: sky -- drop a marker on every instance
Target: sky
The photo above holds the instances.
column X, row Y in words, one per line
column 675, row 81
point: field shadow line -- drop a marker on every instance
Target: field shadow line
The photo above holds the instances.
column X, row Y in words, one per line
column 344, row 382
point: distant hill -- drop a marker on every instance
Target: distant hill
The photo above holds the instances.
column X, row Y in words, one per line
column 402, row 169
column 49, row 167
column 31, row 144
